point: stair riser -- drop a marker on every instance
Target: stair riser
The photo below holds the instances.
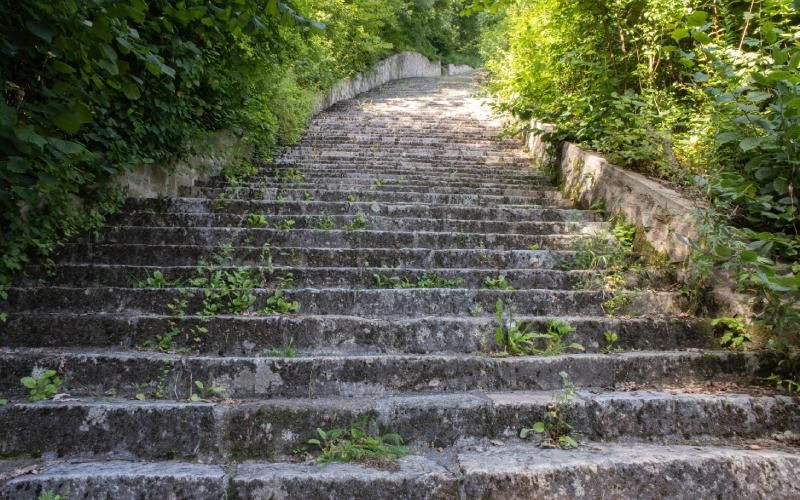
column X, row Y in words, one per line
column 375, row 223
column 126, row 276
column 272, row 193
column 253, row 335
column 511, row 214
column 418, row 258
column 298, row 190
column 315, row 238
column 365, row 303
column 267, row 430
column 125, row 376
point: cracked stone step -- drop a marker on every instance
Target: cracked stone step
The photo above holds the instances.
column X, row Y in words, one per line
column 641, row 471
column 114, row 275
column 333, row 238
column 190, row 255
column 366, row 303
column 271, row 429
column 251, row 335
column 375, row 223
column 126, row 374
column 243, row 207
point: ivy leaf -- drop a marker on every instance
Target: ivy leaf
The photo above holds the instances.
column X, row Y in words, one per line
column 67, row 121
column 40, row 31
column 697, row 18
column 758, row 96
column 131, row 90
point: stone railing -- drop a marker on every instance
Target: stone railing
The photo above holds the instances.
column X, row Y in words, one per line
column 150, row 181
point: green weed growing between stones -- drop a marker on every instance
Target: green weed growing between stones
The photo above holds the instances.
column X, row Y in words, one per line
column 287, row 350
column 555, row 429
column 498, row 283
column 611, row 339
column 325, row 224
column 518, row 339
column 205, row 392
column 256, row 221
column 733, row 333
column 355, row 444
column 42, row 386
column 359, row 223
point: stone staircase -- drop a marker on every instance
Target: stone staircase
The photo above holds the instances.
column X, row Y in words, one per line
column 402, row 182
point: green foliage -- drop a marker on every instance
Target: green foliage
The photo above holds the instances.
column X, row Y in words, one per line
column 611, row 339
column 359, row 223
column 155, row 279
column 355, row 444
column 43, row 386
column 555, row 429
column 63, row 494
column 498, row 283
column 325, row 224
column 732, row 332
column 277, row 304
column 287, row 350
column 426, row 280
column 285, row 224
column 206, row 392
column 520, row 339
column 256, row 221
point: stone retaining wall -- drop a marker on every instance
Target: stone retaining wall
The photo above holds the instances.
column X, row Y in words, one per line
column 589, row 179
column 457, row 69
column 151, row 181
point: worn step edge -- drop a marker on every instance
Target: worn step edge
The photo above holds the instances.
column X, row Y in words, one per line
column 128, row 373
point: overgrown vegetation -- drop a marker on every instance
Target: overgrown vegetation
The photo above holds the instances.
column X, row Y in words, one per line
column 426, row 280
column 518, row 339
column 355, row 443
column 700, row 92
column 93, row 88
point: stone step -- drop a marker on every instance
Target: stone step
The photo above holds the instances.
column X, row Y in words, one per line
column 407, row 197
column 360, row 188
column 271, row 429
column 331, row 334
column 243, row 207
column 93, row 275
column 320, row 238
column 375, row 223
column 398, row 171
column 381, row 303
column 93, row 373
column 320, row 177
column 642, row 471
column 190, row 255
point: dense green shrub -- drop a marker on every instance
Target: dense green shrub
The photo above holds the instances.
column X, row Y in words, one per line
column 701, row 92
column 94, row 87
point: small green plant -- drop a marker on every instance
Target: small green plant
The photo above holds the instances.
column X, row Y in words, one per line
column 51, row 495
column 308, row 196
column 281, row 197
column 154, row 280
column 611, row 339
column 234, row 173
column 354, row 444
column 206, row 392
column 498, row 283
column 359, row 223
column 378, row 182
column 325, row 224
column 476, row 310
column 352, row 198
column 278, row 305
column 256, row 221
column 3, row 402
column 43, row 386
column 732, row 331
column 520, row 339
column 285, row 224
column 556, row 431
column 618, row 302
column 534, row 247
column 292, row 175
column 287, row 350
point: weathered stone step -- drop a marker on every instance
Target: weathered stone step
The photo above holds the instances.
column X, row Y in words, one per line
column 319, row 238
column 272, row 429
column 380, row 303
column 272, row 193
column 331, row 334
column 510, row 214
column 399, row 171
column 190, row 255
column 642, row 471
column 372, row 190
column 91, row 275
column 126, row 374
column 442, row 179
column 374, row 222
